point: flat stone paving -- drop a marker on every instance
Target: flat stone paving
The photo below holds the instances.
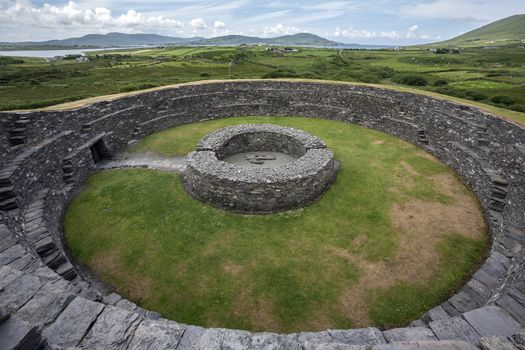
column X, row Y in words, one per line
column 260, row 159
column 145, row 160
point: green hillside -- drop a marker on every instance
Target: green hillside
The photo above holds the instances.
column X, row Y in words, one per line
column 295, row 39
column 504, row 31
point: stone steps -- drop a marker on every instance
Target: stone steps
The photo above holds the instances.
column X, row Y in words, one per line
column 17, row 135
column 17, row 334
column 40, row 238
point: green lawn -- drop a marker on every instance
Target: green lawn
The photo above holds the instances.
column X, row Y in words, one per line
column 354, row 258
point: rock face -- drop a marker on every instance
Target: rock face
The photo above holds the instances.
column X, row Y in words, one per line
column 44, row 300
column 259, row 190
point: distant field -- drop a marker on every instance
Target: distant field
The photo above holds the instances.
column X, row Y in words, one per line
column 494, row 77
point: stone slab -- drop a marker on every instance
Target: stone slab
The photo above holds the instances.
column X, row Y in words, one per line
column 8, row 275
column 17, row 334
column 462, row 302
column 479, row 288
column 408, row 334
column 73, row 323
column 315, row 337
column 492, row 320
column 484, row 278
column 271, row 341
column 45, row 306
column 514, row 308
column 333, row 346
column 156, row 335
column 496, row 343
column 517, row 295
column 361, row 336
column 113, row 329
column 11, row 254
column 453, row 329
column 427, row 345
column 18, row 292
column 437, row 313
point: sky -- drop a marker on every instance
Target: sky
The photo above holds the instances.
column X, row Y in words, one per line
column 395, row 22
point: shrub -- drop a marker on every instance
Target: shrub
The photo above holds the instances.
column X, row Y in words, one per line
column 447, row 90
column 133, row 87
column 504, row 100
column 369, row 78
column 280, row 73
column 204, row 74
column 10, row 60
column 71, row 57
column 440, row 82
column 410, row 79
column 518, row 107
column 474, row 95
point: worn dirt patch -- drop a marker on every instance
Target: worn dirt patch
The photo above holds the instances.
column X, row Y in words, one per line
column 378, row 142
column 408, row 168
column 260, row 315
column 421, row 226
column 232, row 268
column 135, row 287
column 428, row 156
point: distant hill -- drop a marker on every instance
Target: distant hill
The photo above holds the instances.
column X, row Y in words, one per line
column 506, row 30
column 122, row 40
column 305, row 39
column 109, row 40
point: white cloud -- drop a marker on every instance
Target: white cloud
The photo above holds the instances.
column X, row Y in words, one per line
column 364, row 34
column 280, row 29
column 275, row 5
column 463, row 10
column 23, row 13
column 218, row 24
column 198, row 24
column 329, row 6
column 412, row 32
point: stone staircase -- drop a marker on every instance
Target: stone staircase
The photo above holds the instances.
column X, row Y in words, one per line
column 40, row 238
column 17, row 135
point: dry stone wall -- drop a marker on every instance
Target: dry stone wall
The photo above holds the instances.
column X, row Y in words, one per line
column 46, row 156
column 259, row 190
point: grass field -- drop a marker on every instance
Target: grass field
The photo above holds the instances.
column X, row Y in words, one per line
column 474, row 74
column 395, row 234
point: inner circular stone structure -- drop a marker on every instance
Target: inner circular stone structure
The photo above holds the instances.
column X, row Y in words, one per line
column 259, row 168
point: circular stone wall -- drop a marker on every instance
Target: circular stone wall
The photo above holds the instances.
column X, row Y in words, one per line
column 262, row 189
column 39, row 177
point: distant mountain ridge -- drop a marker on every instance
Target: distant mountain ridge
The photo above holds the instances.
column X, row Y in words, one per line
column 295, row 39
column 509, row 29
column 122, row 40
column 110, row 40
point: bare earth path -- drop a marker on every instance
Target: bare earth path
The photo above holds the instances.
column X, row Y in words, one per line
column 146, row 160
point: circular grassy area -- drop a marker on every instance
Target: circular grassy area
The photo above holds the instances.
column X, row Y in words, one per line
column 394, row 235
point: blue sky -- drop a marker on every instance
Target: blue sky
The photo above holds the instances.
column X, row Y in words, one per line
column 397, row 22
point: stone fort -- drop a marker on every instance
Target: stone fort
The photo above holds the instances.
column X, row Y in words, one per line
column 45, row 302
